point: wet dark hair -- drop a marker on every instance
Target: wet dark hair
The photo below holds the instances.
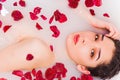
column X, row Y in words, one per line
column 106, row 71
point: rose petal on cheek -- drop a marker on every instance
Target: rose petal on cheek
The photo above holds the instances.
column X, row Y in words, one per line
column 0, row 6
column 18, row 73
column 17, row 15
column 97, row 3
column 55, row 31
column 92, row 12
column 22, row 3
column 28, row 76
column 38, row 26
column 3, row 79
column 51, row 47
column 43, row 17
column 33, row 16
column 89, row 3
column 37, row 10
column 29, row 57
column 15, row 4
column 106, row 15
column 0, row 23
column 6, row 28
column 73, row 3
column 51, row 19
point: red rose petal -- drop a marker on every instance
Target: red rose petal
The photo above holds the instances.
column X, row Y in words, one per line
column 33, row 16
column 28, row 76
column 17, row 15
column 22, row 3
column 38, row 26
column 23, row 78
column 3, row 79
column 73, row 78
column 39, row 75
column 5, row 28
column 73, row 3
column 89, row 3
column 50, row 74
column 15, row 4
column 0, row 23
column 86, row 77
column 34, row 72
column 51, row 47
column 2, row 0
column 43, row 17
column 97, row 3
column 55, row 31
column 29, row 57
column 17, row 73
column 0, row 6
column 92, row 12
column 106, row 15
column 51, row 19
column 37, row 10
column 63, row 18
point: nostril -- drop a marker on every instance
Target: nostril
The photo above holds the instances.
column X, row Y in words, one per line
column 83, row 41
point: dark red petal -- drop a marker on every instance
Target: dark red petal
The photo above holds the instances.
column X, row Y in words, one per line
column 63, row 18
column 3, row 79
column 23, row 78
column 34, row 72
column 38, row 26
column 28, row 76
column 17, row 73
column 39, row 75
column 98, row 3
column 6, row 28
column 73, row 78
column 29, row 57
column 51, row 47
column 73, row 3
column 0, row 6
column 17, row 15
column 33, row 16
column 106, row 15
column 37, row 10
column 51, row 19
column 2, row 0
column 89, row 3
column 50, row 74
column 86, row 77
column 22, row 3
column 92, row 12
column 43, row 17
column 0, row 23
column 55, row 31
column 15, row 4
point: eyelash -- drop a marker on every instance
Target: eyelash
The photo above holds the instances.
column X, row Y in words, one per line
column 96, row 37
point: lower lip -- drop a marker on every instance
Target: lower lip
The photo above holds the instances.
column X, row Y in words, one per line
column 76, row 38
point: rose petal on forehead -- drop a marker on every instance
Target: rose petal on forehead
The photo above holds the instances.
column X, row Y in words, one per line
column 17, row 73
column 6, row 28
column 92, row 12
column 17, row 15
column 22, row 3
column 33, row 16
column 37, row 10
column 28, row 76
column 43, row 17
column 55, row 31
column 0, row 6
column 15, row 4
column 97, row 3
column 89, row 3
column 73, row 3
column 106, row 15
column 0, row 23
column 29, row 57
column 38, row 26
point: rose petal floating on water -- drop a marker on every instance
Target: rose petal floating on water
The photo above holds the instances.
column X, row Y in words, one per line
column 73, row 3
column 18, row 73
column 17, row 15
column 43, row 17
column 33, row 16
column 55, row 31
column 37, row 10
column 38, row 26
column 6, row 28
column 106, row 15
column 22, row 3
column 92, row 12
column 29, row 57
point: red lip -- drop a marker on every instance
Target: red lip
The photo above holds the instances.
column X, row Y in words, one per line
column 76, row 38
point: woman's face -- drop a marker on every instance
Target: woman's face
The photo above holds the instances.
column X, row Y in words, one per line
column 89, row 48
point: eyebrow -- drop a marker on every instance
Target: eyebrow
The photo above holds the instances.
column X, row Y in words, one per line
column 99, row 55
column 102, row 37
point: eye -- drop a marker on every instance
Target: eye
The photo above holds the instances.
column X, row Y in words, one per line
column 92, row 53
column 96, row 37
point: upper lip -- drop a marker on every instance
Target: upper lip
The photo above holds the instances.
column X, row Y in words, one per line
column 76, row 38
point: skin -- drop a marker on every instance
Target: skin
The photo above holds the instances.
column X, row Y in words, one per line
column 84, row 50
